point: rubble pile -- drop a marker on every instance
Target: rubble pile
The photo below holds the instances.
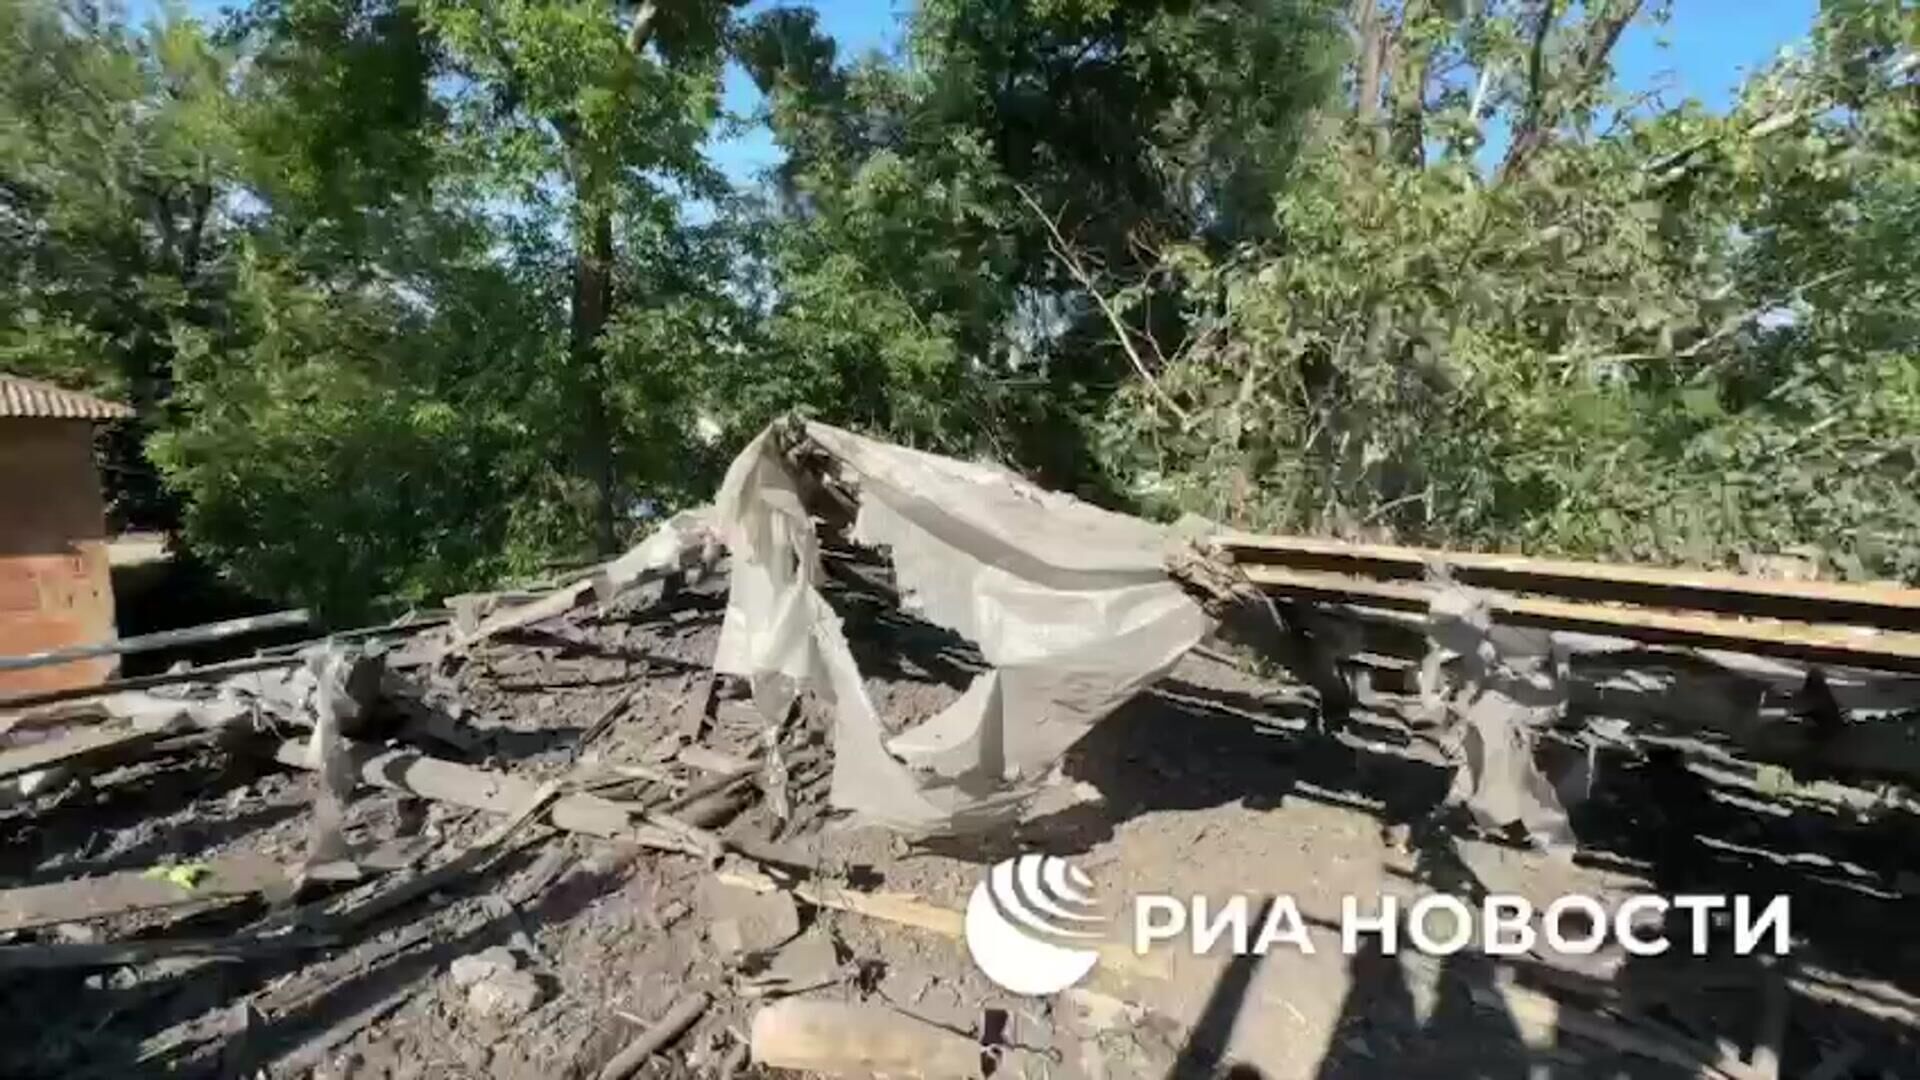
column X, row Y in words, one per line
column 722, row 804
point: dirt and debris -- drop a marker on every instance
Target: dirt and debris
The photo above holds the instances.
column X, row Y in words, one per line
column 567, row 846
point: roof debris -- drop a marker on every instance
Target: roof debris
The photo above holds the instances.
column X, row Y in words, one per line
column 487, row 834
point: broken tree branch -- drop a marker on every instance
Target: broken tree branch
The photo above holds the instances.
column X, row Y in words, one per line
column 1548, row 105
column 642, row 29
column 1064, row 252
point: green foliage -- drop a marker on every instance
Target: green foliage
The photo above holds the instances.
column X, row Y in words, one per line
column 412, row 294
column 1681, row 340
column 350, row 450
column 917, row 295
column 116, row 147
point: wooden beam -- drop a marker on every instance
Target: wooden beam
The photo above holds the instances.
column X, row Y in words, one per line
column 503, row 793
column 165, row 639
column 55, row 955
column 79, row 899
column 1890, row 607
column 210, row 673
column 1837, row 645
column 76, row 748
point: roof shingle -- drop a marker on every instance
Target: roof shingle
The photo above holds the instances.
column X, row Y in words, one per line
column 31, row 398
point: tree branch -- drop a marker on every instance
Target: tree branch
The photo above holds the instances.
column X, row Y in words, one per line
column 1487, row 76
column 1529, row 135
column 1410, row 68
column 1546, row 109
column 1370, row 30
column 1064, row 252
column 642, row 29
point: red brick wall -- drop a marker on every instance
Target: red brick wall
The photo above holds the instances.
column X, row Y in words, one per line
column 54, row 584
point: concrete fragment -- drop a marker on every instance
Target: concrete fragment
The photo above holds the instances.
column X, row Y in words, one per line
column 669, row 913
column 504, row 996
column 841, row 1038
column 724, row 935
column 743, row 921
column 806, row 959
column 475, row 967
column 1090, row 1012
column 808, row 962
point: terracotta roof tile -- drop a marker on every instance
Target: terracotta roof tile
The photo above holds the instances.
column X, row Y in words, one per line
column 30, row 398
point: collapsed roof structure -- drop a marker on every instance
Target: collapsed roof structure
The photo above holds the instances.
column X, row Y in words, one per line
column 1064, row 612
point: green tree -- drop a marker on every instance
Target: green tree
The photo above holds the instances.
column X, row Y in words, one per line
column 117, row 149
column 916, row 289
column 1625, row 334
column 587, row 118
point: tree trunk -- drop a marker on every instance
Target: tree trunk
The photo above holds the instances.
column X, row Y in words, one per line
column 1370, row 32
column 592, row 307
column 1553, row 96
column 1406, row 77
column 592, row 304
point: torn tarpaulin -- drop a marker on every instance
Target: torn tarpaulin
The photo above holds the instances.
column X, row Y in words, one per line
column 1071, row 605
column 1511, row 685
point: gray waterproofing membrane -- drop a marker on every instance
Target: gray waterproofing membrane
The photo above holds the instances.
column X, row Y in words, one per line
column 1073, row 610
column 1070, row 605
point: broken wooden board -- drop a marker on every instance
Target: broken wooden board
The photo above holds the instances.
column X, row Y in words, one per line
column 1886, row 606
column 1819, row 644
column 81, row 899
column 846, row 1038
column 480, row 852
column 908, row 910
column 210, row 673
column 656, row 1037
column 500, row 793
column 551, row 606
column 164, row 639
column 119, row 953
column 76, row 748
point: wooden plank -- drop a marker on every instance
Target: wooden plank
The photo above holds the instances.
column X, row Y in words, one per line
column 1838, row 645
column 209, row 673
column 905, row 909
column 1891, row 607
column 79, row 899
column 57, row 955
column 657, row 1037
column 500, row 793
column 480, row 852
column 76, row 747
column 165, row 639
column 551, row 606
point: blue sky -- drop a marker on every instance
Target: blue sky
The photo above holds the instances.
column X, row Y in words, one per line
column 1704, row 51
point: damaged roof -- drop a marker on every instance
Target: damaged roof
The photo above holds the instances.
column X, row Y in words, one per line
column 31, row 399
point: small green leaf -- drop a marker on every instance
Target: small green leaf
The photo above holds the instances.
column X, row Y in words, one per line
column 186, row 875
